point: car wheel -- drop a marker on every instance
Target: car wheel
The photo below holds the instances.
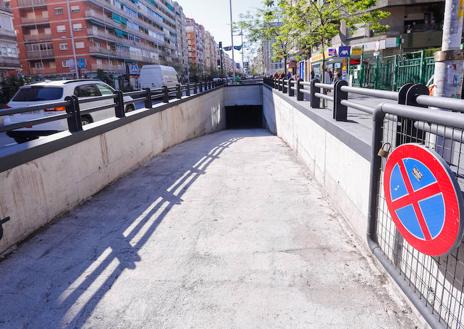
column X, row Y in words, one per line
column 86, row 120
column 130, row 108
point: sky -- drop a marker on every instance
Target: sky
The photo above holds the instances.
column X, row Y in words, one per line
column 215, row 17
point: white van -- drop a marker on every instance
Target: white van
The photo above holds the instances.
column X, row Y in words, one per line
column 157, row 76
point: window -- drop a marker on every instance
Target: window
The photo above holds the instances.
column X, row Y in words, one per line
column 37, row 65
column 63, row 46
column 104, row 89
column 87, row 91
column 36, row 93
column 75, row 9
column 59, row 11
column 61, row 28
column 79, row 45
column 77, row 27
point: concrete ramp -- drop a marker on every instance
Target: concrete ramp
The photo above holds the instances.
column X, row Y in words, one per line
column 224, row 231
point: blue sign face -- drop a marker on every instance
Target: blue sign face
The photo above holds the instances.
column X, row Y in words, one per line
column 133, row 69
column 423, row 215
column 344, row 51
column 81, row 63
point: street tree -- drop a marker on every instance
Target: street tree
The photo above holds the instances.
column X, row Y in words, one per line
column 315, row 23
column 267, row 24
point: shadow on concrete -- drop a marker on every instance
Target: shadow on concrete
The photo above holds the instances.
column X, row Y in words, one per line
column 57, row 279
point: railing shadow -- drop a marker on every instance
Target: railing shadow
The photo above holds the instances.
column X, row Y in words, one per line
column 75, row 262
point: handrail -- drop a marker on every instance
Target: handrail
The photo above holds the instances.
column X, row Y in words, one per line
column 371, row 92
column 73, row 113
column 325, row 86
column 358, row 106
column 453, row 104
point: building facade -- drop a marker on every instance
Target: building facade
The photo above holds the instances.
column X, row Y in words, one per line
column 196, row 47
column 75, row 38
column 9, row 61
column 182, row 44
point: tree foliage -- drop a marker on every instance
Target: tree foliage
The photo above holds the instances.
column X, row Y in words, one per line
column 303, row 25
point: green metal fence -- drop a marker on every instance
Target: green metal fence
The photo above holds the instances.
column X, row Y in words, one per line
column 392, row 72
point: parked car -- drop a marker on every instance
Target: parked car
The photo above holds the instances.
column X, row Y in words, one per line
column 157, row 76
column 57, row 91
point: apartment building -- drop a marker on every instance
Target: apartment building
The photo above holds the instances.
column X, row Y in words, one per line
column 413, row 25
column 182, row 45
column 211, row 53
column 9, row 61
column 78, row 37
column 196, row 46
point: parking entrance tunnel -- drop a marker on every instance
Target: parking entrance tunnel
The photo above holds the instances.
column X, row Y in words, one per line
column 244, row 117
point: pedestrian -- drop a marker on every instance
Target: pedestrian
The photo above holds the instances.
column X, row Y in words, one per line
column 326, row 76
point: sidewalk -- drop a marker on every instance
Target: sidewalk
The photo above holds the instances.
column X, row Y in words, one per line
column 224, row 231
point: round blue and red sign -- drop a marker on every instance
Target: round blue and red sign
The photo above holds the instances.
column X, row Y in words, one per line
column 424, row 199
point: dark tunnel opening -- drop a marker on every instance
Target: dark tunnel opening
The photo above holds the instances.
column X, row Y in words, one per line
column 244, row 117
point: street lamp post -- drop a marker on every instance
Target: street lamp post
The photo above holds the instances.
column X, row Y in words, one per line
column 232, row 38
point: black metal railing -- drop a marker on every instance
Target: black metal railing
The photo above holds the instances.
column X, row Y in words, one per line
column 337, row 96
column 72, row 104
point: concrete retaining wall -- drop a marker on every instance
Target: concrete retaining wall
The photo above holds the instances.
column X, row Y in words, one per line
column 243, row 95
column 343, row 172
column 34, row 193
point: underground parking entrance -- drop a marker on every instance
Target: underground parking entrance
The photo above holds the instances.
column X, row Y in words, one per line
column 244, row 117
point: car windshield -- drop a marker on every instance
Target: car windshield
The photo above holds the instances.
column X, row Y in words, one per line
column 38, row 93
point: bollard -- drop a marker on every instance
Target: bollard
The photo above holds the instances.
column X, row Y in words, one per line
column 299, row 94
column 284, row 86
column 119, row 107
column 291, row 91
column 187, row 92
column 178, row 91
column 165, row 94
column 74, row 120
column 406, row 131
column 281, row 84
column 315, row 101
column 195, row 88
column 201, row 88
column 340, row 111
column 148, row 101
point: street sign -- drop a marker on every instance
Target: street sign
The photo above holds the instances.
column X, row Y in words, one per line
column 344, row 51
column 133, row 68
column 332, row 52
column 81, row 63
column 424, row 199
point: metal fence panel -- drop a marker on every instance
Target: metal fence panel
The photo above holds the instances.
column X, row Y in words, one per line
column 437, row 281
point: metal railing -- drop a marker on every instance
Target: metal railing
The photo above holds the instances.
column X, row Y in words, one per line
column 72, row 105
column 337, row 94
column 435, row 285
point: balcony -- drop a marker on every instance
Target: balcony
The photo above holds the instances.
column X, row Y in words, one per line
column 39, row 54
column 31, row 3
column 109, row 52
column 43, row 70
column 103, row 19
column 35, row 20
column 37, row 37
column 12, row 62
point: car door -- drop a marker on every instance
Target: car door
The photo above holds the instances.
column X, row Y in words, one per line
column 106, row 90
column 87, row 91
